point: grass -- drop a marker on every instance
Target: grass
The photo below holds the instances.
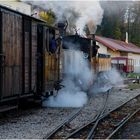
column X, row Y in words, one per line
column 133, row 75
column 133, row 86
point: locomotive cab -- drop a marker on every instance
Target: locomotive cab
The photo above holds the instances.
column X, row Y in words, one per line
column 99, row 62
column 77, row 42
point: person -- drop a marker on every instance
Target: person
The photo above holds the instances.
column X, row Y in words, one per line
column 53, row 45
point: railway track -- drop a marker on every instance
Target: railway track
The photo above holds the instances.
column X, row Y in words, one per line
column 108, row 124
column 62, row 125
column 122, row 124
column 59, row 132
column 130, row 129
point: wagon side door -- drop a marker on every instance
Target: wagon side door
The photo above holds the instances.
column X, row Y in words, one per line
column 10, row 52
column 1, row 56
column 40, row 60
column 34, row 58
column 26, row 56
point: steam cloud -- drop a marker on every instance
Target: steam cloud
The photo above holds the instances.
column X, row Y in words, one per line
column 69, row 96
column 79, row 81
column 106, row 80
column 78, row 77
column 77, row 13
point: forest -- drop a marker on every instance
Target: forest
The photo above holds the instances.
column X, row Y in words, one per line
column 121, row 17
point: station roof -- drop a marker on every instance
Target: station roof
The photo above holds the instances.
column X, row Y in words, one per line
column 117, row 45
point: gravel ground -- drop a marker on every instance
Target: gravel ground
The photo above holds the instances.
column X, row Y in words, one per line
column 132, row 129
column 38, row 123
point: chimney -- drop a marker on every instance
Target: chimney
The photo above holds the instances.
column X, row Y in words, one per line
column 126, row 39
column 62, row 27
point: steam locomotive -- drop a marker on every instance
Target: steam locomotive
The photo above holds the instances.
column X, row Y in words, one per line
column 99, row 62
column 29, row 68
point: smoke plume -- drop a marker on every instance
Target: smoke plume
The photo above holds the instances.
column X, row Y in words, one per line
column 78, row 77
column 77, row 13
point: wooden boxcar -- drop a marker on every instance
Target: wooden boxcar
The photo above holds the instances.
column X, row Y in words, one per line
column 27, row 67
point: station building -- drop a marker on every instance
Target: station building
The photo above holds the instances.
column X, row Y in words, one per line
column 124, row 56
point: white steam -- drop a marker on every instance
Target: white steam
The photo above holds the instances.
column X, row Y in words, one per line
column 76, row 66
column 69, row 96
column 106, row 80
column 77, row 13
column 78, row 82
column 78, row 78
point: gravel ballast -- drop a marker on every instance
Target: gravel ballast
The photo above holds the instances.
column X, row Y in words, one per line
column 40, row 122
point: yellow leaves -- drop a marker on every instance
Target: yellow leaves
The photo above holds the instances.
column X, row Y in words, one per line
column 44, row 15
column 48, row 16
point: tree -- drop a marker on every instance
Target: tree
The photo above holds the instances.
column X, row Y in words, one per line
column 117, row 33
column 48, row 16
column 134, row 22
column 119, row 18
column 113, row 21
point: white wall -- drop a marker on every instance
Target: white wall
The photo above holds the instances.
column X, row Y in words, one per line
column 17, row 6
column 136, row 58
column 105, row 50
column 102, row 48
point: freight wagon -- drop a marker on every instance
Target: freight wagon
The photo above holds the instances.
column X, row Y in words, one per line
column 27, row 66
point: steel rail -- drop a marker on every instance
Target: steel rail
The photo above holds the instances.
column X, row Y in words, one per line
column 91, row 133
column 123, row 123
column 94, row 120
column 82, row 127
column 101, row 117
column 72, row 116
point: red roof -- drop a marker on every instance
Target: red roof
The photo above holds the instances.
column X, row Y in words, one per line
column 117, row 45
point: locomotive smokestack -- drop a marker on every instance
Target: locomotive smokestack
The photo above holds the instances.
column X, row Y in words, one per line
column 92, row 37
column 62, row 27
